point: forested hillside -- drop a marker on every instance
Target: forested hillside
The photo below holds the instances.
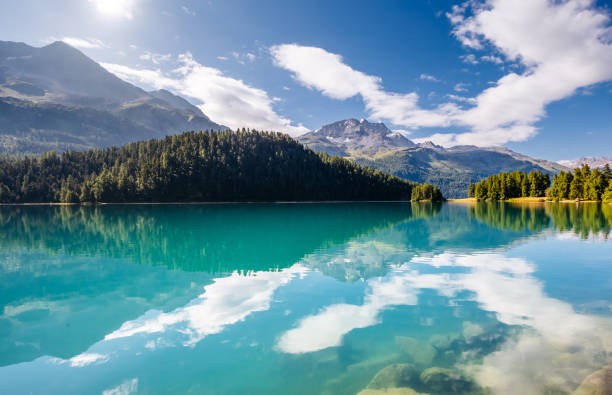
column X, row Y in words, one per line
column 202, row 166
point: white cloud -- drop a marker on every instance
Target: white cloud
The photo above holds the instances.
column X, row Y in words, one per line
column 469, row 100
column 222, row 57
column 460, row 87
column 125, row 388
column 327, row 328
column 469, row 58
column 250, row 57
column 115, row 8
column 562, row 44
column 492, row 59
column 85, row 359
column 188, row 11
column 562, row 47
column 428, row 77
column 86, row 43
column 225, row 100
column 82, row 360
column 225, row 302
column 318, row 69
column 155, row 58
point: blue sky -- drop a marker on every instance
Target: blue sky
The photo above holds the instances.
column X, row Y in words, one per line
column 532, row 75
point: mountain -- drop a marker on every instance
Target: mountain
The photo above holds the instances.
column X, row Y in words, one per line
column 451, row 169
column 55, row 97
column 592, row 162
column 352, row 137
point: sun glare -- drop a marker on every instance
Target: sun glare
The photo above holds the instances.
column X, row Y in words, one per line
column 114, row 8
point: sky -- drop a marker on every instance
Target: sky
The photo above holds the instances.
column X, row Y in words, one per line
column 532, row 75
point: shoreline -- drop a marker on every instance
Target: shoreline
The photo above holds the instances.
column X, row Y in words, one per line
column 214, row 203
column 526, row 200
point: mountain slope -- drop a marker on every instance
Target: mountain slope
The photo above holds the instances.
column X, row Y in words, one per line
column 67, row 87
column 451, row 169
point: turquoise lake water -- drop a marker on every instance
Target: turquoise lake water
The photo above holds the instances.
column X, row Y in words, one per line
column 304, row 298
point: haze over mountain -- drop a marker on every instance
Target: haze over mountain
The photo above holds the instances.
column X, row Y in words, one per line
column 452, row 169
column 55, row 97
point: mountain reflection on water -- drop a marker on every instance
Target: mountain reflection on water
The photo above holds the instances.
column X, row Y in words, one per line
column 305, row 298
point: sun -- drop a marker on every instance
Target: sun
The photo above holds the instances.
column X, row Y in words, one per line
column 114, row 8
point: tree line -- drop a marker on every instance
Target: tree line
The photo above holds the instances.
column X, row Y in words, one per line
column 198, row 167
column 510, row 185
column 583, row 184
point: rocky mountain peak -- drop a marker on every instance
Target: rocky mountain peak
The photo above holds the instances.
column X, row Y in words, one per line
column 352, row 135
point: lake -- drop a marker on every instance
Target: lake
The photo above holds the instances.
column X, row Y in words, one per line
column 304, row 298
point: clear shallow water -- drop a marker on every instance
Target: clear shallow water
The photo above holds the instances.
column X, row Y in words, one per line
column 304, row 298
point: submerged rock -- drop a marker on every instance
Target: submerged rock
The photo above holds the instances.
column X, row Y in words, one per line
column 440, row 380
column 396, row 375
column 598, row 383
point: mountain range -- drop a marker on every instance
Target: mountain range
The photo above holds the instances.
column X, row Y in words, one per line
column 592, row 162
column 56, row 98
column 451, row 169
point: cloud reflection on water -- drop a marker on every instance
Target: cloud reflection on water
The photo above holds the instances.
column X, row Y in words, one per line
column 227, row 301
column 556, row 349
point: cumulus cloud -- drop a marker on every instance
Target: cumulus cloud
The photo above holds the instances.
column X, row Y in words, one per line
column 328, row 327
column 86, row 359
column 125, row 388
column 463, row 99
column 225, row 302
column 226, row 100
column 155, row 58
column 470, row 59
column 428, row 77
column 572, row 49
column 492, row 59
column 460, row 87
column 315, row 68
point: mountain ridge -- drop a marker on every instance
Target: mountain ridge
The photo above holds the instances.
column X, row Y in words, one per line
column 452, row 168
column 593, row 162
column 76, row 94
